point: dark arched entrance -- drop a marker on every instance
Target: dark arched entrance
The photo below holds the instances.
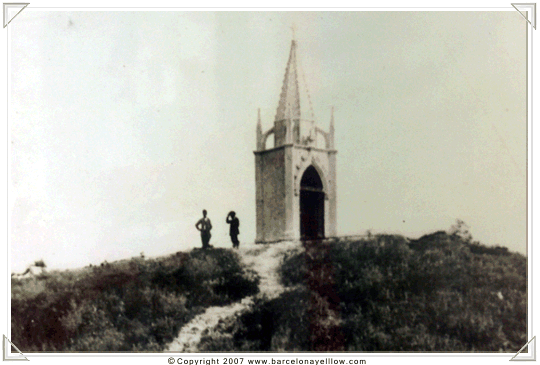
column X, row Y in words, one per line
column 311, row 205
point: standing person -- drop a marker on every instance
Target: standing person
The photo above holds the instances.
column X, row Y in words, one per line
column 204, row 225
column 233, row 231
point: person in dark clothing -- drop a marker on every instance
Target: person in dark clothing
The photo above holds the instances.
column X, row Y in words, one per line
column 234, row 228
column 204, row 226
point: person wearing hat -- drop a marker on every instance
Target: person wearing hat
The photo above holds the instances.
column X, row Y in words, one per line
column 234, row 230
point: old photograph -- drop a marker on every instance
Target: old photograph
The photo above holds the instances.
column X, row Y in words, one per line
column 268, row 181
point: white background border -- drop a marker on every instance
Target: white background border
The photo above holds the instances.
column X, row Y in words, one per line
column 277, row 5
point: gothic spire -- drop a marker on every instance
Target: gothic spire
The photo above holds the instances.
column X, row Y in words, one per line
column 331, row 131
column 332, row 121
column 289, row 100
column 259, row 131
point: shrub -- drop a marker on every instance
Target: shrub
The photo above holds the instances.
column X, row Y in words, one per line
column 131, row 305
column 386, row 293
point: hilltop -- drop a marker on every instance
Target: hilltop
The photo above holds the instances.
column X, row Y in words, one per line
column 441, row 292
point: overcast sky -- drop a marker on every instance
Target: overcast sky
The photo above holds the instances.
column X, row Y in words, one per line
column 125, row 125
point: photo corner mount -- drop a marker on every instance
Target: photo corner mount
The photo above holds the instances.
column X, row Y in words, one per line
column 531, row 354
column 530, row 7
column 9, row 8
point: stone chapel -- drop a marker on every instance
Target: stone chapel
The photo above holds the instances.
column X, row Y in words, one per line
column 296, row 178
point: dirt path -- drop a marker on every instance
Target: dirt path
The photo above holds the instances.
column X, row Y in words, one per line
column 265, row 260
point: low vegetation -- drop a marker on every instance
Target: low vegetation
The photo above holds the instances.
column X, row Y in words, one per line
column 131, row 305
column 441, row 292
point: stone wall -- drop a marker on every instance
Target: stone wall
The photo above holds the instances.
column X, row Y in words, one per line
column 271, row 192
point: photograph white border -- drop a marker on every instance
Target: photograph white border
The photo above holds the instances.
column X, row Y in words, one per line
column 285, row 6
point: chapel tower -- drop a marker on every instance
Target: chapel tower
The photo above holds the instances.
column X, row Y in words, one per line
column 296, row 178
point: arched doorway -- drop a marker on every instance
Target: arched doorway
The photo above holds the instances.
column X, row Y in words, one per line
column 311, row 205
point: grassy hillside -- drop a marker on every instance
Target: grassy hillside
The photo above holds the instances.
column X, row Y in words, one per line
column 131, row 305
column 386, row 293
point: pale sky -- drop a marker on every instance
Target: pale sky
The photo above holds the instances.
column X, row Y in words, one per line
column 125, row 125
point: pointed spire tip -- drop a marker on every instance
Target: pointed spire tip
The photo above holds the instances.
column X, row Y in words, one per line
column 293, row 28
